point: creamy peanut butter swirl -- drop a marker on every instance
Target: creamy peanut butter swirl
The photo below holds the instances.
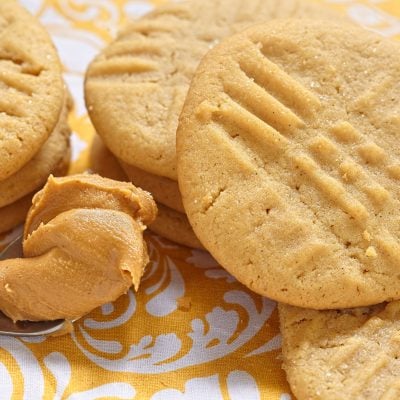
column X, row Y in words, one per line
column 83, row 247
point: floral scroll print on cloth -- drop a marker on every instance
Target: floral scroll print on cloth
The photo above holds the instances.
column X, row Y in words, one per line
column 192, row 332
column 220, row 331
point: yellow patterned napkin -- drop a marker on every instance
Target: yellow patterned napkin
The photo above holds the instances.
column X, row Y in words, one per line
column 192, row 332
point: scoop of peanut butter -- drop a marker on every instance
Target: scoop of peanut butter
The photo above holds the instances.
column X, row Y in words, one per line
column 83, row 247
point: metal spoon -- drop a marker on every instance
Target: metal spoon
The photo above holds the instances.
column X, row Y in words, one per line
column 25, row 328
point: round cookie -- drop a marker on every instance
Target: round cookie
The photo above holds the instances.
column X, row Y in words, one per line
column 289, row 164
column 136, row 87
column 14, row 214
column 164, row 190
column 342, row 354
column 35, row 173
column 31, row 87
column 174, row 226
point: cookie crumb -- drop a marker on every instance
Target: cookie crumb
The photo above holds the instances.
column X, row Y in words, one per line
column 371, row 252
column 367, row 236
column 8, row 288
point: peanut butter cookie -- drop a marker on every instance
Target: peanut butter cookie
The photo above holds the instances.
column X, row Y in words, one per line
column 289, row 162
column 34, row 174
column 31, row 87
column 351, row 354
column 136, row 87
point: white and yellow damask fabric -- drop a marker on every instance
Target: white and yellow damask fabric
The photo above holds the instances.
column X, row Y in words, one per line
column 191, row 332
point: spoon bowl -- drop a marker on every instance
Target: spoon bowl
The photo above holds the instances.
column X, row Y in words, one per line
column 25, row 328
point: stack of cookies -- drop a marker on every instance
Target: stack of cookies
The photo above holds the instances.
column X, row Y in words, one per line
column 136, row 87
column 288, row 164
column 34, row 135
column 289, row 167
